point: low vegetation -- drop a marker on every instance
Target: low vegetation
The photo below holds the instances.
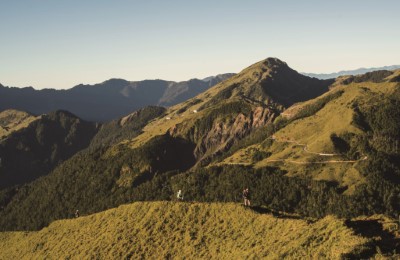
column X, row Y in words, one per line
column 164, row 230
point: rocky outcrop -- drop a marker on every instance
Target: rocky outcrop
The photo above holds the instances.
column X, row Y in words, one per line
column 224, row 131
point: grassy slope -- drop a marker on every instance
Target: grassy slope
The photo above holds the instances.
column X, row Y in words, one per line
column 178, row 230
column 13, row 120
column 334, row 118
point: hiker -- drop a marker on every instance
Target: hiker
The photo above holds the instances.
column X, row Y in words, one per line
column 246, row 197
column 179, row 195
column 398, row 226
column 77, row 213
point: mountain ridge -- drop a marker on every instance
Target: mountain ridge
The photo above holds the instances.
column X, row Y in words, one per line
column 104, row 101
column 251, row 98
column 184, row 230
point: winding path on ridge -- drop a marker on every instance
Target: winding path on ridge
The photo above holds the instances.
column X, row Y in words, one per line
column 307, row 151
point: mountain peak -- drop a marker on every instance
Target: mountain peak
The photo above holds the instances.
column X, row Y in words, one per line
column 271, row 80
column 268, row 66
column 274, row 62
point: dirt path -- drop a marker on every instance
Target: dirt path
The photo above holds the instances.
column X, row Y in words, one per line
column 307, row 151
column 323, row 162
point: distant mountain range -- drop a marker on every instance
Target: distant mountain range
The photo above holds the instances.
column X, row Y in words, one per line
column 349, row 72
column 115, row 98
column 111, row 99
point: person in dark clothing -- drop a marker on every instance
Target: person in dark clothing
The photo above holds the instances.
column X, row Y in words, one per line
column 246, row 197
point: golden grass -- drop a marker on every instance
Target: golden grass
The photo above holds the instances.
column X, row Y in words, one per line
column 158, row 230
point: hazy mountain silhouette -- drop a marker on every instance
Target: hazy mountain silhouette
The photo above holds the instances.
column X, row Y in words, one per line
column 105, row 101
column 349, row 72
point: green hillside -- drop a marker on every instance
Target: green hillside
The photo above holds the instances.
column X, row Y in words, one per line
column 37, row 145
column 185, row 230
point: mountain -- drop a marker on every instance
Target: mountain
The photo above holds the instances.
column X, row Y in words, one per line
column 42, row 143
column 341, row 137
column 349, row 72
column 185, row 230
column 326, row 147
column 105, row 101
column 119, row 164
column 217, row 118
column 307, row 147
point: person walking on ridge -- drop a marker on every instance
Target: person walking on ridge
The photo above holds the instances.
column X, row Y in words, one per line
column 246, row 197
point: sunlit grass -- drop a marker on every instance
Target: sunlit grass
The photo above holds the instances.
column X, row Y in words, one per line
column 182, row 230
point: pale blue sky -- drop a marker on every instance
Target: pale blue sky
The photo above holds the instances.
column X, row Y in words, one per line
column 59, row 44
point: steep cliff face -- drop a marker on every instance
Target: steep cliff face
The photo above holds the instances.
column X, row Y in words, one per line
column 224, row 134
column 215, row 133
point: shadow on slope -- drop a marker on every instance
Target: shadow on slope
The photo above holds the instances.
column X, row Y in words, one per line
column 383, row 242
column 275, row 213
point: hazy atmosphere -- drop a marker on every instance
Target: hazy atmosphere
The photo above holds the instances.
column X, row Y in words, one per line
column 59, row 44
